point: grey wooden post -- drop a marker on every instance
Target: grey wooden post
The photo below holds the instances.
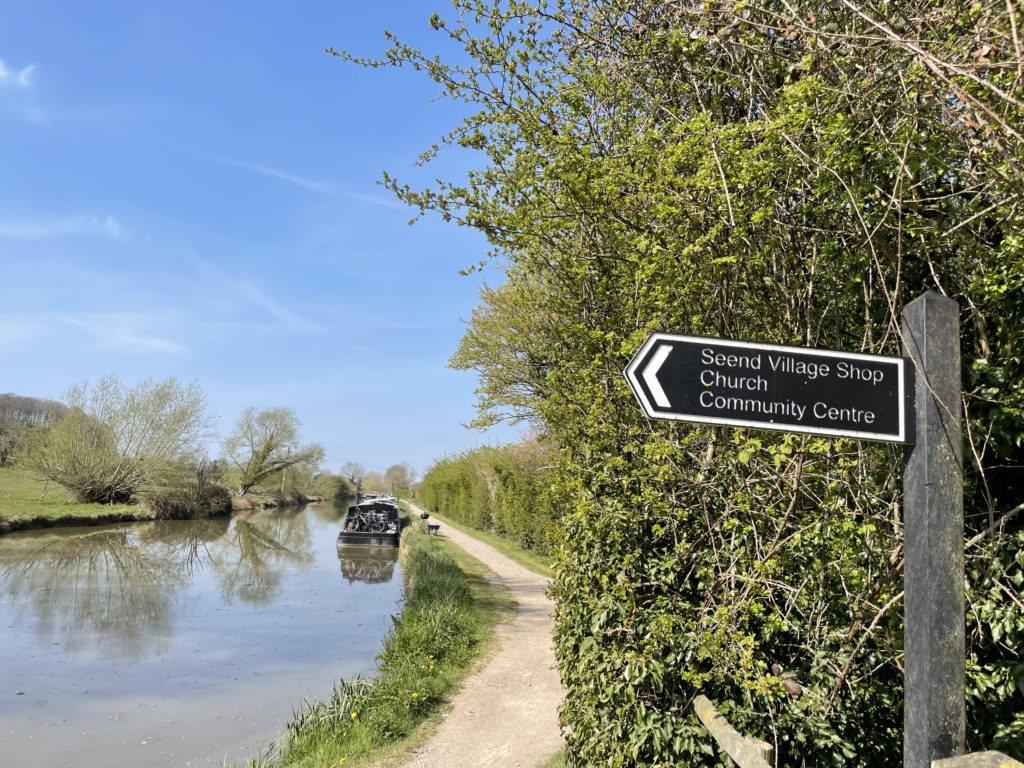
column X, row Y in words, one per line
column 744, row 751
column 933, row 529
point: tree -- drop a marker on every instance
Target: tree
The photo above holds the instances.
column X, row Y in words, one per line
column 355, row 473
column 790, row 172
column 19, row 414
column 12, row 429
column 330, row 486
column 264, row 443
column 114, row 442
column 374, row 481
column 399, row 477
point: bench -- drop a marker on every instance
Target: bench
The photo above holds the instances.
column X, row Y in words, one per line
column 433, row 529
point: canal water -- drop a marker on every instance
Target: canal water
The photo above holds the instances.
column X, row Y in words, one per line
column 180, row 643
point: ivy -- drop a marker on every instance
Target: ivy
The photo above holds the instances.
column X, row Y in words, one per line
column 779, row 172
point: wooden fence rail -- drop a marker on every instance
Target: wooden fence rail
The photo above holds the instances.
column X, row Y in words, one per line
column 978, row 760
column 745, row 751
column 748, row 752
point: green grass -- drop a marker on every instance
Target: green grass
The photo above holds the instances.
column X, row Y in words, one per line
column 447, row 625
column 526, row 558
column 23, row 498
column 555, row 761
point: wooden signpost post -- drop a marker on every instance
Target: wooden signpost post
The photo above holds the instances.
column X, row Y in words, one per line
column 934, row 707
column 914, row 400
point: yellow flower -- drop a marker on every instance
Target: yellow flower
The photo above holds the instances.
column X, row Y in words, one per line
column 414, row 694
column 355, row 715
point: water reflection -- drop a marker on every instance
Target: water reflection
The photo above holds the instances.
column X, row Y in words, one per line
column 116, row 588
column 185, row 543
column 330, row 512
column 249, row 560
column 101, row 580
column 371, row 565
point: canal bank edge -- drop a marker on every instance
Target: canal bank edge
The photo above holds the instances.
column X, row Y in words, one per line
column 379, row 721
column 142, row 513
column 26, row 505
column 12, row 525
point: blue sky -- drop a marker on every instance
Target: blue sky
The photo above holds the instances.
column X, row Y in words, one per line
column 190, row 189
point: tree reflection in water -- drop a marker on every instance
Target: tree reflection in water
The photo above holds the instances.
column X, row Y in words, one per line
column 99, row 587
column 330, row 511
column 115, row 588
column 185, row 542
column 249, row 560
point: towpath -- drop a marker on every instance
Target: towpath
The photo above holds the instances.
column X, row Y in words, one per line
column 506, row 713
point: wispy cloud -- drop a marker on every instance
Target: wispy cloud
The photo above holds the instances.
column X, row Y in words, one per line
column 291, row 178
column 313, row 185
column 252, row 294
column 291, row 320
column 16, row 78
column 62, row 226
column 123, row 333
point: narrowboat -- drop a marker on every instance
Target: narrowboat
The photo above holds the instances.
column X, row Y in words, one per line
column 374, row 523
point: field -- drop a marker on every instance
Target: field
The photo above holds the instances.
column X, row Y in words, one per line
column 23, row 499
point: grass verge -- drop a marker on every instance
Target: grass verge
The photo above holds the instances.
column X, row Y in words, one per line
column 556, row 761
column 27, row 503
column 447, row 624
column 529, row 560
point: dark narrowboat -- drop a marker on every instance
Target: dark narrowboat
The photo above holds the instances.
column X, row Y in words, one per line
column 373, row 523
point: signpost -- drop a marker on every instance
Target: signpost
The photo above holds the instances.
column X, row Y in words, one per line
column 913, row 400
column 767, row 386
column 934, row 717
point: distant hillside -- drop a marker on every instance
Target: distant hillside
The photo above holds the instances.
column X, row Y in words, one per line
column 28, row 410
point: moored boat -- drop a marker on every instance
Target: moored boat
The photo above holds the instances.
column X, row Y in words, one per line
column 371, row 523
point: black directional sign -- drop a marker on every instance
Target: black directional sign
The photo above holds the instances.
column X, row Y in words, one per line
column 768, row 386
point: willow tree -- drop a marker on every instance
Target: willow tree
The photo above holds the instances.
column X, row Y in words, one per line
column 399, row 477
column 265, row 443
column 788, row 172
column 113, row 442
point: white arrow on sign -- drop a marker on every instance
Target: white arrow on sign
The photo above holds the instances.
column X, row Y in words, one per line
column 650, row 375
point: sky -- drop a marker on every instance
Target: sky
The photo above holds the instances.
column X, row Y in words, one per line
column 191, row 189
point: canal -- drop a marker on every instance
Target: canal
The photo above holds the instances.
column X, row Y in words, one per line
column 180, row 643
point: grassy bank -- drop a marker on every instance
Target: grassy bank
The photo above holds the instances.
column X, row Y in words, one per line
column 29, row 503
column 446, row 625
column 530, row 560
column 557, row 761
column 259, row 499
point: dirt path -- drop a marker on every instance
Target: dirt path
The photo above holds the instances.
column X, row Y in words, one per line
column 506, row 713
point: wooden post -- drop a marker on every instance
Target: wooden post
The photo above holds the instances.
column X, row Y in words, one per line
column 979, row 760
column 933, row 530
column 746, row 752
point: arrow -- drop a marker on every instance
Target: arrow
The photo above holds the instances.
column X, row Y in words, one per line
column 650, row 375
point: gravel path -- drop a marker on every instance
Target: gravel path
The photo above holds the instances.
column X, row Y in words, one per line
column 506, row 713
